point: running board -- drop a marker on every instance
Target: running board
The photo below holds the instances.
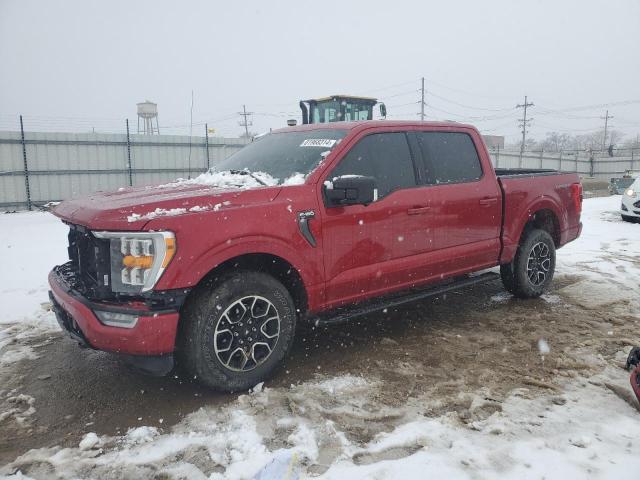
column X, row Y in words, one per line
column 346, row 313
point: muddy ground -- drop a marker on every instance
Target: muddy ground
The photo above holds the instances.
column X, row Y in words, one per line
column 427, row 355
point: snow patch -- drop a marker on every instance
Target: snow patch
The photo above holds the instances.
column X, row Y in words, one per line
column 140, row 435
column 501, row 297
column 295, row 179
column 158, row 212
column 89, row 441
column 226, row 179
column 341, row 384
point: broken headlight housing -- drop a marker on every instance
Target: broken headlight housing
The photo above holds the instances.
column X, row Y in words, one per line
column 138, row 259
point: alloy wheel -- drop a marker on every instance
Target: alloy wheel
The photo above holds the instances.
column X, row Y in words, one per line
column 538, row 263
column 247, row 333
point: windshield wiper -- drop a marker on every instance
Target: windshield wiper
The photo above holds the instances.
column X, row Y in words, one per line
column 247, row 172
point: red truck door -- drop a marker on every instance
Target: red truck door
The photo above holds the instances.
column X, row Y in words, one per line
column 370, row 249
column 466, row 203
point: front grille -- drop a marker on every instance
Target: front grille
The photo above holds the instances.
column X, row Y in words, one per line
column 89, row 269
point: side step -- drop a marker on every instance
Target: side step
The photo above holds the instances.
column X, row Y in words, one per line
column 348, row 312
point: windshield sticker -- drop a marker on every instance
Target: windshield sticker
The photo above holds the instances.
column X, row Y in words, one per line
column 318, row 142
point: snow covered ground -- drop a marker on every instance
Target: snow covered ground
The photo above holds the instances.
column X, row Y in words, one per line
column 579, row 428
column 30, row 243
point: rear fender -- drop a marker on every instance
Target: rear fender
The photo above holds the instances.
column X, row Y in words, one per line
column 512, row 235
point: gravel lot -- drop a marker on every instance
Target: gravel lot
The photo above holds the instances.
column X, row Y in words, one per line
column 460, row 356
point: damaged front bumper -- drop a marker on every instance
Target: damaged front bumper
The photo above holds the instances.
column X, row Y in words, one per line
column 151, row 333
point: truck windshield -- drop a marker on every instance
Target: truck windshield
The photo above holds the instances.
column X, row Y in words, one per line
column 284, row 155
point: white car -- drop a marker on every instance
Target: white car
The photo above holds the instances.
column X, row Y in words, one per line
column 630, row 208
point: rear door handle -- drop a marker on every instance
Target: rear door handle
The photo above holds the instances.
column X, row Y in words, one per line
column 487, row 202
column 418, row 210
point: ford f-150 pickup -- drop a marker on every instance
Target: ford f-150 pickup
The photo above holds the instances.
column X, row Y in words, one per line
column 316, row 223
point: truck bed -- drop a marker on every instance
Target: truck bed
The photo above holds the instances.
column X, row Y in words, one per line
column 525, row 191
column 524, row 172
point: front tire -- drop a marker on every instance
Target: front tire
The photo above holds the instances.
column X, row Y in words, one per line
column 237, row 332
column 628, row 218
column 532, row 269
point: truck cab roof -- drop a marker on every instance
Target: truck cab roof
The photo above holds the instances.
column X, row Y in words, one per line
column 371, row 123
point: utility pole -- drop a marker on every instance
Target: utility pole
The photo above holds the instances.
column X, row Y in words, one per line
column 524, row 123
column 245, row 122
column 606, row 124
column 422, row 102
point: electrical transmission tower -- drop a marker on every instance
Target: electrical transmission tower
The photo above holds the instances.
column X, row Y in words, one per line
column 606, row 124
column 245, row 122
column 524, row 123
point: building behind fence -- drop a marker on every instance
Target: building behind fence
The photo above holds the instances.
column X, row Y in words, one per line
column 36, row 168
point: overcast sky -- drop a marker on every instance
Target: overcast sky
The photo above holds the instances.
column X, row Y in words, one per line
column 78, row 64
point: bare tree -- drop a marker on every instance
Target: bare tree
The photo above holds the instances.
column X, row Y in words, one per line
column 556, row 142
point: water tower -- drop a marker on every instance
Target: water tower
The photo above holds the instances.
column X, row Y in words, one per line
column 148, row 112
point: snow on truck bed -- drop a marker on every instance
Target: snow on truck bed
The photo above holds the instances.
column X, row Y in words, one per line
column 582, row 431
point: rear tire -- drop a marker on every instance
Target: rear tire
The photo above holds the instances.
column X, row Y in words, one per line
column 237, row 332
column 533, row 266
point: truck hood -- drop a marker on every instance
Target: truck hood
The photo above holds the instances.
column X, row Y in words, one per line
column 131, row 209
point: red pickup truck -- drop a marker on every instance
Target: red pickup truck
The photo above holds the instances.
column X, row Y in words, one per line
column 315, row 223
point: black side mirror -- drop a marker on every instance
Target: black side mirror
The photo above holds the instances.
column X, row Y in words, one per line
column 351, row 190
column 383, row 110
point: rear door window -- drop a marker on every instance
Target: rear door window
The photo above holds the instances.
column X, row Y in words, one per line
column 449, row 157
column 384, row 156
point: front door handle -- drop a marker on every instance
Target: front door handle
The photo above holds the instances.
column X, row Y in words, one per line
column 487, row 202
column 418, row 210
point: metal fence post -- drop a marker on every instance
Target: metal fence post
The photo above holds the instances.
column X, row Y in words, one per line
column 26, row 167
column 631, row 158
column 541, row 155
column 498, row 156
column 560, row 162
column 206, row 142
column 129, row 156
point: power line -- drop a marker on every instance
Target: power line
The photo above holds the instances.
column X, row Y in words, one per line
column 422, row 104
column 524, row 123
column 245, row 122
column 391, row 86
column 596, row 106
column 401, row 94
column 485, row 118
column 469, row 106
column 606, row 123
column 473, row 94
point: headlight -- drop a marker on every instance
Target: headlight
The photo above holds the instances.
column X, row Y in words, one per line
column 138, row 259
column 630, row 192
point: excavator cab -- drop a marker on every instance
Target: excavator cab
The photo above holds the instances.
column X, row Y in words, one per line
column 339, row 108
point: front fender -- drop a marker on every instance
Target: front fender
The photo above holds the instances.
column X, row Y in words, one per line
column 187, row 272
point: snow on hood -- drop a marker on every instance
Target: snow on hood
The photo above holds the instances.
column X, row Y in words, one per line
column 228, row 179
column 210, row 191
column 163, row 212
